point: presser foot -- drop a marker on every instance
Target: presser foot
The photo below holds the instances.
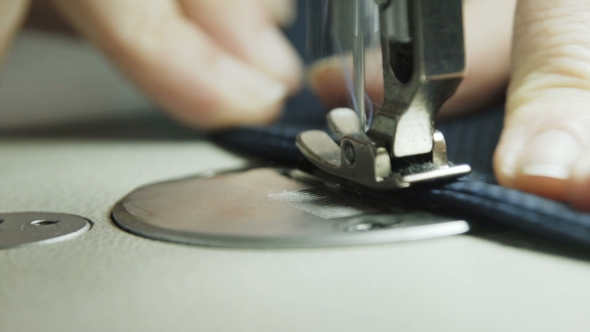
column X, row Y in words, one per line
column 357, row 157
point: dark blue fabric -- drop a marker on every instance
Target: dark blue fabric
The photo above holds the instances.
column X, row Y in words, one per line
column 530, row 213
column 471, row 140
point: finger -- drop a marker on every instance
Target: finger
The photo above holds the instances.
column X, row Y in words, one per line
column 579, row 184
column 12, row 13
column 488, row 38
column 331, row 79
column 43, row 16
column 488, row 33
column 283, row 12
column 246, row 29
column 547, row 127
column 176, row 62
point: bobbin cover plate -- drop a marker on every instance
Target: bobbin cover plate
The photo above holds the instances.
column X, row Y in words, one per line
column 272, row 208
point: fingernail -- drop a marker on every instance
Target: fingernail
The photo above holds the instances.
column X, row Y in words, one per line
column 274, row 94
column 249, row 96
column 509, row 167
column 320, row 68
column 550, row 154
column 262, row 101
column 278, row 57
column 261, row 105
column 285, row 12
column 579, row 191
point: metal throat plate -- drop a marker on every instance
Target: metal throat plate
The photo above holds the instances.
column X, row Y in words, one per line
column 271, row 208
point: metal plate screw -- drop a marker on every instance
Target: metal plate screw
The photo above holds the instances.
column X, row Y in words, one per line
column 18, row 229
column 349, row 153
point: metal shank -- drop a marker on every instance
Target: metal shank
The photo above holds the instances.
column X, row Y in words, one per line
column 423, row 63
column 361, row 159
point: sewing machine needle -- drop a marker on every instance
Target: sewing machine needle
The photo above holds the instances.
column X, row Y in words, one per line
column 358, row 55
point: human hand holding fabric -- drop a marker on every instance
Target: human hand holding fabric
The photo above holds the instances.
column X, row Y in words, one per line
column 209, row 63
column 213, row 64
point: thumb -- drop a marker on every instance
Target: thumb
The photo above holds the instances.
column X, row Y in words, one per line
column 547, row 126
column 11, row 15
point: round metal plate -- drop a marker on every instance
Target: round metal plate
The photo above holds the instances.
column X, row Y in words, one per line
column 17, row 229
column 269, row 208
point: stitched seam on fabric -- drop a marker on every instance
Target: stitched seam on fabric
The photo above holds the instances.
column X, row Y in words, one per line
column 543, row 212
column 508, row 209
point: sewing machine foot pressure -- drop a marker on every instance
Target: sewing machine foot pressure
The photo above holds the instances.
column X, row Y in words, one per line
column 423, row 63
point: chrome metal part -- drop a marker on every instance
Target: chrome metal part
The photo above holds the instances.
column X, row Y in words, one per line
column 423, row 63
column 272, row 208
column 359, row 62
column 26, row 228
column 372, row 166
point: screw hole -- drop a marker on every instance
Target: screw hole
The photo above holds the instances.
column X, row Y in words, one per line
column 372, row 223
column 368, row 226
column 1, row 221
column 44, row 222
column 349, row 153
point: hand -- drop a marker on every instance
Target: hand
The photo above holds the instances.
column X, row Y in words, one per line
column 545, row 144
column 12, row 13
column 209, row 63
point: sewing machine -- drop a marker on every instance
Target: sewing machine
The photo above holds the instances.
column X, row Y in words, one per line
column 107, row 279
column 423, row 59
